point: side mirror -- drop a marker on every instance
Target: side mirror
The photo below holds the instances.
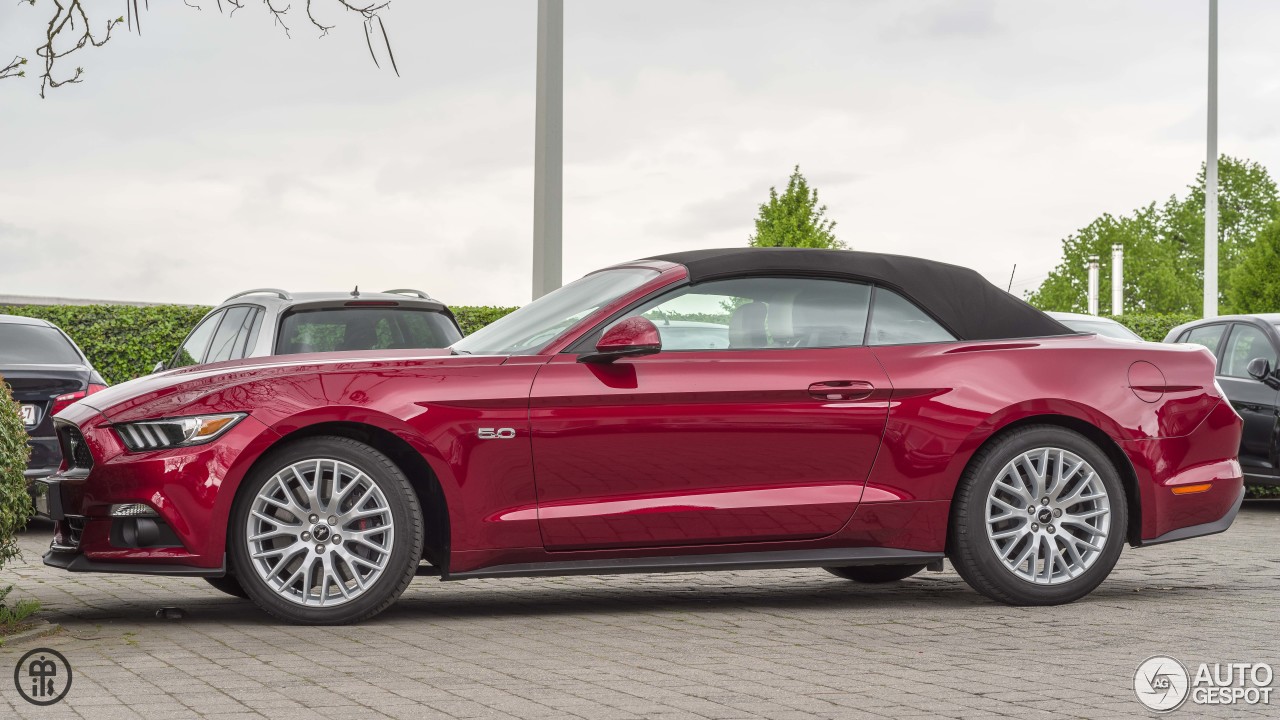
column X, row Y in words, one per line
column 1260, row 369
column 632, row 337
column 159, row 366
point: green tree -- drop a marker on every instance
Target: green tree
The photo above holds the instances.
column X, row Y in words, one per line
column 1164, row 245
column 794, row 218
column 1253, row 286
column 1153, row 280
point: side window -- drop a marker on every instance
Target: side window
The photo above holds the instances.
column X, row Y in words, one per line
column 250, row 338
column 1209, row 336
column 757, row 313
column 1246, row 343
column 194, row 347
column 229, row 334
column 895, row 320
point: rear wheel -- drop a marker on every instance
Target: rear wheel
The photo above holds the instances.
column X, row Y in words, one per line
column 1039, row 517
column 875, row 573
column 326, row 531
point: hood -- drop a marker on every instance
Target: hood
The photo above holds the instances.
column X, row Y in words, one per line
column 175, row 391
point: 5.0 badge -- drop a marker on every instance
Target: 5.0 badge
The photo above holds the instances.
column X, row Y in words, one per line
column 496, row 433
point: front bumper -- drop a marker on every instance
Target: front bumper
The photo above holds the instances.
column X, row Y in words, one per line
column 65, row 550
column 189, row 489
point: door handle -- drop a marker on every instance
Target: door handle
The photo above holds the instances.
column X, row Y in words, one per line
column 841, row 390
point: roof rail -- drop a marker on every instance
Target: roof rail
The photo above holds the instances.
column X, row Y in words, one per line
column 283, row 295
column 409, row 291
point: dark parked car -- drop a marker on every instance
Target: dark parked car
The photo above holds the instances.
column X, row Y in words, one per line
column 47, row 372
column 870, row 414
column 269, row 321
column 1246, row 348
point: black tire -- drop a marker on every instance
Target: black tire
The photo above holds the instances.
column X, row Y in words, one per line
column 406, row 544
column 229, row 585
column 875, row 574
column 970, row 548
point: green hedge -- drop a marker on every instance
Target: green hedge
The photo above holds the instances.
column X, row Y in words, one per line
column 15, row 504
column 1153, row 326
column 473, row 317
column 124, row 342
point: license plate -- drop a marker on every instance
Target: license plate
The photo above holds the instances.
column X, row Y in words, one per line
column 30, row 415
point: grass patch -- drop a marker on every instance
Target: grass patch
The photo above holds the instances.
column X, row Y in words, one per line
column 15, row 617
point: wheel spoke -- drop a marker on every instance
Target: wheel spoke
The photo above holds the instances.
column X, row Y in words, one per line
column 293, row 556
column 1068, row 525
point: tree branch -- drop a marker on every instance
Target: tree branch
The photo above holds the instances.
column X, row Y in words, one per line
column 70, row 30
column 14, row 68
column 62, row 29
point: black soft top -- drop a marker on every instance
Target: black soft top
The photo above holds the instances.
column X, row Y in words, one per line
column 959, row 298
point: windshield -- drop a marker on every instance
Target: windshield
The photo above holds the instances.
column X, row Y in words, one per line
column 1111, row 330
column 534, row 326
column 35, row 345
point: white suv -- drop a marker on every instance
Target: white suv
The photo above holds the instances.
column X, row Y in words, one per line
column 269, row 321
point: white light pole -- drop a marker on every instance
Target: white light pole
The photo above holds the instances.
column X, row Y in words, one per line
column 1117, row 279
column 1093, row 284
column 1211, row 174
column 548, row 150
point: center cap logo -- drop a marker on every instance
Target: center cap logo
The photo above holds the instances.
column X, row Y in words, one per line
column 1161, row 683
column 320, row 532
column 1046, row 515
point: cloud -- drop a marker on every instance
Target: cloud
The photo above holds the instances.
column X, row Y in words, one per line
column 212, row 154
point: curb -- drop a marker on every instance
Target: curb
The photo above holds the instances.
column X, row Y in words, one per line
column 42, row 628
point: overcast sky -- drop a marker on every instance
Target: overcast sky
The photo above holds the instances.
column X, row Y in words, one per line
column 212, row 154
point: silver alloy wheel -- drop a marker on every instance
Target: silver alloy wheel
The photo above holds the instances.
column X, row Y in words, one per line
column 320, row 532
column 1048, row 516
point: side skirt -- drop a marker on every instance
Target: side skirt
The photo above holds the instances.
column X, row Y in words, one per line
column 827, row 557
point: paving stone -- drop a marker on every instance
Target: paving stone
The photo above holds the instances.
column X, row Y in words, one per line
column 772, row 644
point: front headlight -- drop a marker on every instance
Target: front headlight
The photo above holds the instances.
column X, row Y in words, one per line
column 175, row 432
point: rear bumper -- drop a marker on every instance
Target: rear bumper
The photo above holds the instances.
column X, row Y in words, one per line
column 1187, row 482
column 1210, row 528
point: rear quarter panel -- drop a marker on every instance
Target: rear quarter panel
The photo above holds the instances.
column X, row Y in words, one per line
column 948, row 399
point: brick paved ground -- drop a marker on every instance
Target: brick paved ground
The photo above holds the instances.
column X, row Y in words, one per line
column 774, row 644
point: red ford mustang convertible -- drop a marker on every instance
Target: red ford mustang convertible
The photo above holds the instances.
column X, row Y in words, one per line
column 710, row 410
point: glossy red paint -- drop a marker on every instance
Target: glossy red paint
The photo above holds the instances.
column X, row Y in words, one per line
column 734, row 444
column 634, row 333
column 679, row 452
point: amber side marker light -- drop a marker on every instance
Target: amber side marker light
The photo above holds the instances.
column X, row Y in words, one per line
column 1191, row 489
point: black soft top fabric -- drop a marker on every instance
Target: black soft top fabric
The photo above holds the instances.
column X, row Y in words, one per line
column 959, row 298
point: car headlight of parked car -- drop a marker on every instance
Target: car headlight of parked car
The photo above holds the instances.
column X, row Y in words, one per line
column 175, row 432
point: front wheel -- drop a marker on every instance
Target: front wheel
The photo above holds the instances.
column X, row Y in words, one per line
column 326, row 531
column 1039, row 517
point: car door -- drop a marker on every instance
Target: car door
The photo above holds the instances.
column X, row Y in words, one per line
column 1253, row 399
column 764, row 431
